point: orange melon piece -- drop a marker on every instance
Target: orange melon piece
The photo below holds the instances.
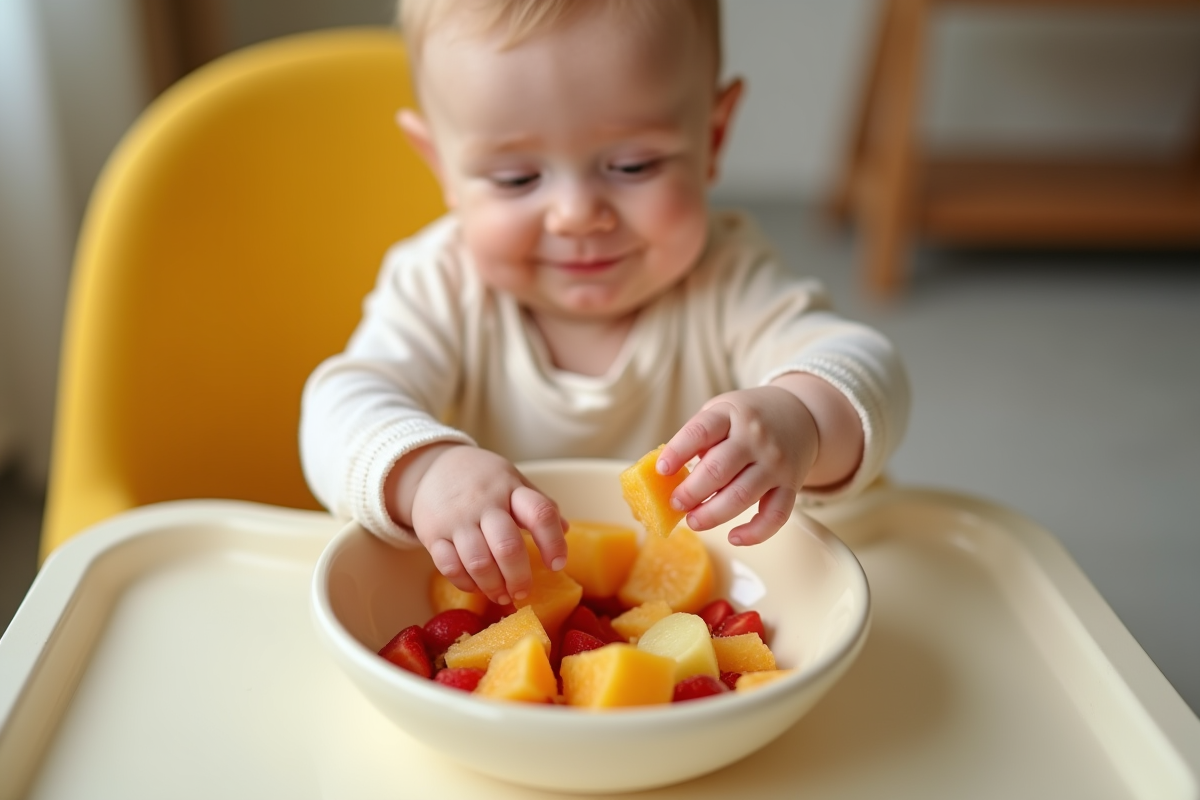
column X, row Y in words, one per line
column 521, row 673
column 615, row 676
column 676, row 569
column 444, row 595
column 754, row 680
column 649, row 494
column 477, row 651
column 743, row 653
column 600, row 555
column 553, row 595
column 637, row 620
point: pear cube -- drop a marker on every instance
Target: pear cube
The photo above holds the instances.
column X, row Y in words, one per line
column 685, row 639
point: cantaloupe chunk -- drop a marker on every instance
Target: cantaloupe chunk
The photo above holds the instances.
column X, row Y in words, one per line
column 683, row 638
column 745, row 652
column 754, row 680
column 477, row 651
column 676, row 570
column 600, row 555
column 553, row 595
column 617, row 675
column 521, row 673
column 444, row 595
column 637, row 620
column 649, row 494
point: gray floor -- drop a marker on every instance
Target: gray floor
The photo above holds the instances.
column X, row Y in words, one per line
column 1063, row 386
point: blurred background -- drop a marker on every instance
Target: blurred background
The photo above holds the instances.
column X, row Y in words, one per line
column 1055, row 367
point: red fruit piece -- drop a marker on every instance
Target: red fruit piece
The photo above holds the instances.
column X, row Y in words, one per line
column 575, row 642
column 446, row 628
column 495, row 613
column 697, row 686
column 584, row 619
column 407, row 650
column 745, row 622
column 605, row 606
column 715, row 613
column 730, row 679
column 465, row 678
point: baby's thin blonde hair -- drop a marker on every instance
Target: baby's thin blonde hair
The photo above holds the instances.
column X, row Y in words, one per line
column 519, row 20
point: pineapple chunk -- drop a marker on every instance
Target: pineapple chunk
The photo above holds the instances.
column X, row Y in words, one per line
column 649, row 494
column 477, row 651
column 743, row 653
column 553, row 595
column 685, row 639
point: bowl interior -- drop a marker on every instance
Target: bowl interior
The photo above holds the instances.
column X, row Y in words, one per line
column 808, row 587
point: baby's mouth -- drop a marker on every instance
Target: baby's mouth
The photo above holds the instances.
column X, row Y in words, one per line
column 586, row 265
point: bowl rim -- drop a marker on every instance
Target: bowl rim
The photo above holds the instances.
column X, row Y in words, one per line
column 668, row 715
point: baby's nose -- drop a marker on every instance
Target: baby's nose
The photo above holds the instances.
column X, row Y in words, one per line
column 579, row 211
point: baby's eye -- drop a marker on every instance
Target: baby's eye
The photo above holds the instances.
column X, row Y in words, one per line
column 634, row 169
column 515, row 180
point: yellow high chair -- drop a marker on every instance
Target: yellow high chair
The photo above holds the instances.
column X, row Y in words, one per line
column 226, row 251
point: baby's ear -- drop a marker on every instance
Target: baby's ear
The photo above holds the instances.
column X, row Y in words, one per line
column 416, row 130
column 724, row 108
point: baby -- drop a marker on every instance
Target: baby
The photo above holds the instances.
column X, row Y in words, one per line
column 580, row 300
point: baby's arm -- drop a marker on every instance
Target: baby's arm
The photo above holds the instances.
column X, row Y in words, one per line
column 762, row 445
column 468, row 506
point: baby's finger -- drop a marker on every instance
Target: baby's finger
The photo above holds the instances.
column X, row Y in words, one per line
column 705, row 429
column 774, row 509
column 445, row 558
column 539, row 515
column 508, row 549
column 477, row 558
column 715, row 472
column 742, row 490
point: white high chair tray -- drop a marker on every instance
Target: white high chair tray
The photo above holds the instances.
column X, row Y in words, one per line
column 169, row 652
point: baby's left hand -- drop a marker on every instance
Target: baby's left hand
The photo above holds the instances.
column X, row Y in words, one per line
column 755, row 446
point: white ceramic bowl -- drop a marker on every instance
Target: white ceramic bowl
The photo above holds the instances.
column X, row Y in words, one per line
column 808, row 586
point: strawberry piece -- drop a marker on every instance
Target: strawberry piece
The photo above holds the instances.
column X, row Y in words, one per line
column 495, row 613
column 605, row 606
column 576, row 641
column 730, row 679
column 584, row 619
column 697, row 686
column 446, row 628
column 745, row 622
column 607, row 632
column 715, row 613
column 464, row 678
column 407, row 650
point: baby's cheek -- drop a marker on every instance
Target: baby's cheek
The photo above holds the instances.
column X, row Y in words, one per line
column 498, row 243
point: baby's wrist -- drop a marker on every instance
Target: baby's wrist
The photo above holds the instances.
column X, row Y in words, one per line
column 404, row 479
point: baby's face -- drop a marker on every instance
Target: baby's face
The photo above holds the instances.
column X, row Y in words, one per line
column 578, row 161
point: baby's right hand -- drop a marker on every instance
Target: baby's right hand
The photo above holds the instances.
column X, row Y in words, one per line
column 468, row 510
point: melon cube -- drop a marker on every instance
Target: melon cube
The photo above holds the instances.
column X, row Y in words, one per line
column 676, row 570
column 745, row 652
column 444, row 595
column 599, row 556
column 754, row 680
column 649, row 494
column 521, row 673
column 637, row 620
column 477, row 651
column 553, row 595
column 683, row 638
column 617, row 675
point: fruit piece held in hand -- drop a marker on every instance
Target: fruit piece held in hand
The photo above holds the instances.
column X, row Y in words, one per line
column 617, row 675
column 407, row 650
column 521, row 673
column 745, row 622
column 698, row 686
column 553, row 596
column 754, row 680
column 649, row 494
column 447, row 627
column 599, row 556
column 683, row 638
column 742, row 653
column 444, row 595
column 464, row 678
column 575, row 642
column 477, row 651
column 637, row 620
column 677, row 570
column 716, row 612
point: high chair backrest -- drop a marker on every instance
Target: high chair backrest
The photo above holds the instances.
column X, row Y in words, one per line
column 226, row 251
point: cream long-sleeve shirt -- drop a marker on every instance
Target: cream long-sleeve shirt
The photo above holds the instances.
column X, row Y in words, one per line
column 439, row 356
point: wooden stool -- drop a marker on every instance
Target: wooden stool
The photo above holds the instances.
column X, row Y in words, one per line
column 898, row 193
